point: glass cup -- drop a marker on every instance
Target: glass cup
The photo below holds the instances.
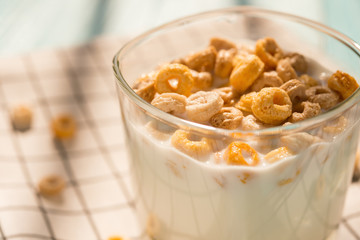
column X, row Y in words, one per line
column 190, row 193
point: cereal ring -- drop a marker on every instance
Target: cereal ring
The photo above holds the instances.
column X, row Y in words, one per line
column 267, row 79
column 298, row 62
column 277, row 154
column 295, row 89
column 228, row 118
column 285, row 71
column 221, row 43
column 224, row 63
column 172, row 103
column 202, row 80
column 63, row 126
column 234, row 154
column 181, row 141
column 174, row 78
column 342, row 83
column 51, row 185
column 227, row 94
column 247, row 70
column 297, row 142
column 251, row 123
column 157, row 130
column 201, row 106
column 272, row 105
column 309, row 110
column 308, row 81
column 245, row 102
column 268, row 51
column 21, row 117
column 202, row 61
column 323, row 96
column 144, row 87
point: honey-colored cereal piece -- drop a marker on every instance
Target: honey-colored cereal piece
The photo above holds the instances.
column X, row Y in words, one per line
column 228, row 118
column 272, row 105
column 174, row 78
column 172, row 103
column 145, row 88
column 309, row 110
column 51, row 185
column 202, row 80
column 295, row 89
column 63, row 126
column 227, row 94
column 224, row 63
column 267, row 79
column 298, row 62
column 285, row 71
column 21, row 117
column 245, row 102
column 268, row 51
column 322, row 95
column 202, row 61
column 247, row 70
column 277, row 154
column 342, row 83
column 201, row 106
column 308, row 81
column 181, row 141
column 234, row 154
column 298, row 142
column 221, row 44
column 250, row 122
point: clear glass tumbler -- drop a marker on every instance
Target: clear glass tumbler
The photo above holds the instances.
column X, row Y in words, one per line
column 182, row 196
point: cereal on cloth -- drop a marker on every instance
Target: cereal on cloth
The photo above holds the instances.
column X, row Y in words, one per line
column 21, row 117
column 268, row 51
column 323, row 96
column 117, row 238
column 267, row 79
column 285, row 71
column 224, row 63
column 202, row 80
column 222, row 44
column 272, row 105
column 202, row 61
column 227, row 94
column 277, row 154
column 298, row 62
column 342, row 83
column 152, row 225
column 63, row 126
column 298, row 142
column 182, row 141
column 172, row 103
column 174, row 78
column 228, row 118
column 51, row 185
column 308, row 81
column 234, row 154
column 309, row 110
column 295, row 89
column 245, row 102
column 201, row 106
column 145, row 88
column 246, row 71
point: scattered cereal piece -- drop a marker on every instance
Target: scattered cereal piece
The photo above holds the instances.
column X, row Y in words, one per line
column 202, row 80
column 268, row 51
column 277, row 154
column 250, row 122
column 267, row 79
column 174, row 78
column 51, row 185
column 309, row 110
column 181, row 140
column 297, row 142
column 342, row 83
column 308, row 81
column 172, row 103
column 221, row 44
column 228, row 118
column 144, row 87
column 322, row 95
column 21, row 117
column 295, row 89
column 272, row 105
column 245, row 102
column 63, row 126
column 227, row 94
column 356, row 175
column 224, row 63
column 234, row 154
column 285, row 71
column 247, row 70
column 298, row 62
column 201, row 106
column 202, row 61
column 152, row 225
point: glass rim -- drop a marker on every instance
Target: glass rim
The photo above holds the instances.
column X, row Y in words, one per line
column 206, row 129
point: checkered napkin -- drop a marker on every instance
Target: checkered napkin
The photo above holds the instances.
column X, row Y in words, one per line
column 97, row 200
